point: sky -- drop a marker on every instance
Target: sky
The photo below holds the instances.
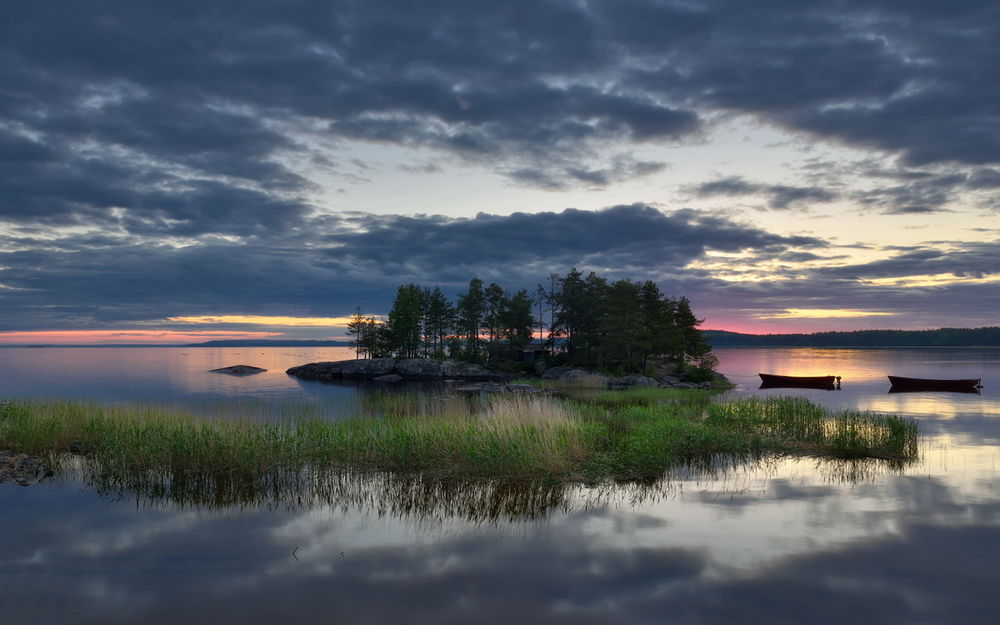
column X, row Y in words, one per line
column 188, row 171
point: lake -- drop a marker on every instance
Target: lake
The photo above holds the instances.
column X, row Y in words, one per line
column 784, row 541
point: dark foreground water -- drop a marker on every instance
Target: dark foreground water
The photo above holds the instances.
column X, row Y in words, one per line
column 790, row 541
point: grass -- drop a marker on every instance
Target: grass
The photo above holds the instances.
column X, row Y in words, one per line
column 610, row 436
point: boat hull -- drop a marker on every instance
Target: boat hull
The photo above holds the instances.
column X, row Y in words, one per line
column 901, row 384
column 822, row 382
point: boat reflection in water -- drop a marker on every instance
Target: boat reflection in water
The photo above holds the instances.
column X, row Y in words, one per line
column 916, row 385
column 821, row 382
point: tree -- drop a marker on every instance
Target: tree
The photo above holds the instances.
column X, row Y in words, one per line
column 660, row 335
column 439, row 320
column 517, row 320
column 404, row 321
column 693, row 342
column 494, row 306
column 621, row 328
column 470, row 315
column 355, row 328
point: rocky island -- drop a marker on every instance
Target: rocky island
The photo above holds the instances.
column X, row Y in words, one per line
column 390, row 370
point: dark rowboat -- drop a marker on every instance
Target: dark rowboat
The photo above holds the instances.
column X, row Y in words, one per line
column 924, row 384
column 824, row 382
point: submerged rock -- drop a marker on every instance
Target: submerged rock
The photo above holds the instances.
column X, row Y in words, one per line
column 239, row 370
column 21, row 468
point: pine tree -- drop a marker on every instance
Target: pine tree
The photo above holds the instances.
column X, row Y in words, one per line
column 355, row 329
column 470, row 316
column 694, row 344
column 517, row 320
column 404, row 321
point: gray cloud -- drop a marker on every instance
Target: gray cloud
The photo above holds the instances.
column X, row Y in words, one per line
column 147, row 124
column 103, row 102
column 779, row 196
column 351, row 259
column 339, row 261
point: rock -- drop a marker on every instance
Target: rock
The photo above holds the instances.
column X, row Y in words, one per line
column 578, row 376
column 495, row 387
column 239, row 370
column 388, row 378
column 21, row 468
column 633, row 379
column 480, row 387
column 419, row 368
column 468, row 371
column 669, row 380
column 540, row 367
column 328, row 370
column 368, row 368
column 522, row 388
column 720, row 381
column 555, row 372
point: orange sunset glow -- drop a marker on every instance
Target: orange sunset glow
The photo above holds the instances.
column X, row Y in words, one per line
column 106, row 337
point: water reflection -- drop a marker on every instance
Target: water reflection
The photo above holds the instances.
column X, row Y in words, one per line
column 789, row 540
column 157, row 373
column 414, row 496
column 769, row 544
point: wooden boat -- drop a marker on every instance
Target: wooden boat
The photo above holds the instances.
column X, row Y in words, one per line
column 824, row 382
column 900, row 383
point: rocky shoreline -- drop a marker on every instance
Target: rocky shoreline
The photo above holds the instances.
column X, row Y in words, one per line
column 391, row 370
column 21, row 468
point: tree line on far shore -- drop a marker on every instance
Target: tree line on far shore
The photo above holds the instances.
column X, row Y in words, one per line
column 941, row 337
column 582, row 320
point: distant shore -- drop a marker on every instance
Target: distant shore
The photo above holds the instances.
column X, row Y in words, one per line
column 941, row 337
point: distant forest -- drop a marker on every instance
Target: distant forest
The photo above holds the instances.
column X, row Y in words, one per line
column 942, row 337
column 585, row 320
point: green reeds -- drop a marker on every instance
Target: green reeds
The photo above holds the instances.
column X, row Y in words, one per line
column 613, row 436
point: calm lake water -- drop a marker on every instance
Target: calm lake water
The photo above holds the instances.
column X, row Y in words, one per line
column 787, row 541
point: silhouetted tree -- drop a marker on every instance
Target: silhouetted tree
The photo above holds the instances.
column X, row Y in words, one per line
column 470, row 317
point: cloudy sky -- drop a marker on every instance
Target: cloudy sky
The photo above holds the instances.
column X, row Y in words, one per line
column 190, row 170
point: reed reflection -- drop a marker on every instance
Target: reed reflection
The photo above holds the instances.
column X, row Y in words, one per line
column 422, row 498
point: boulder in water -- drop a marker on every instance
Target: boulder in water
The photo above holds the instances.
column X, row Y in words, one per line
column 239, row 370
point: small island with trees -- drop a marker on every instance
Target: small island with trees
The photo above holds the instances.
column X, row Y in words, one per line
column 615, row 327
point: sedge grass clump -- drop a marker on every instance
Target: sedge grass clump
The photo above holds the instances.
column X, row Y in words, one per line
column 649, row 396
column 796, row 425
column 507, row 437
